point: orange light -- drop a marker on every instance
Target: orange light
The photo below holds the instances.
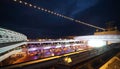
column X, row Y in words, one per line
column 68, row 60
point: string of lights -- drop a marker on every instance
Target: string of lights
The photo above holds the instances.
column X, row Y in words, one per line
column 57, row 14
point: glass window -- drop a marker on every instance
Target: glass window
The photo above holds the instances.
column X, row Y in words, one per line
column 0, row 36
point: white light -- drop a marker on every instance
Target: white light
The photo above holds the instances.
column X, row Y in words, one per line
column 49, row 11
column 20, row 1
column 52, row 54
column 25, row 3
column 15, row 0
column 30, row 5
column 35, row 6
column 55, row 13
column 38, row 7
column 52, row 12
column 64, row 16
column 42, row 9
column 32, row 49
column 71, row 19
column 58, row 46
column 96, row 43
column 76, row 21
column 60, row 15
column 47, row 47
column 75, row 44
column 67, row 45
column 46, row 10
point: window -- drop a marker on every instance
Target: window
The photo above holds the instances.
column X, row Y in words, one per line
column 6, row 36
column 0, row 36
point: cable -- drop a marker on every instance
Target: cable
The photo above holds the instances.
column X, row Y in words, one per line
column 57, row 14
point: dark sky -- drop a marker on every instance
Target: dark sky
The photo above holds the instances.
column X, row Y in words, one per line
column 38, row 24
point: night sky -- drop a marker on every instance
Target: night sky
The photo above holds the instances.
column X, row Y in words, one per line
column 38, row 24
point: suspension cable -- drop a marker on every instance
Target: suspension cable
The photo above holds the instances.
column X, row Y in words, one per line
column 57, row 14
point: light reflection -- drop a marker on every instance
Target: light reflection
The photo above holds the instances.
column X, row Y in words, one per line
column 96, row 43
column 32, row 49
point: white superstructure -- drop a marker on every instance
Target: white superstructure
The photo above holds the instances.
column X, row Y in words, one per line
column 7, row 36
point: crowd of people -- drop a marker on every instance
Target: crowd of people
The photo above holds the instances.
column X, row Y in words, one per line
column 43, row 50
column 47, row 50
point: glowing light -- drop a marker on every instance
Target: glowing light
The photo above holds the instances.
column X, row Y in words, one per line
column 67, row 45
column 47, row 47
column 35, row 6
column 49, row 11
column 39, row 40
column 76, row 44
column 25, row 3
column 52, row 54
column 58, row 46
column 55, row 13
column 89, row 25
column 32, row 49
column 60, row 15
column 20, row 1
column 42, row 9
column 14, row 0
column 38, row 7
column 52, row 12
column 28, row 40
column 30, row 5
column 67, row 59
column 96, row 43
column 46, row 10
